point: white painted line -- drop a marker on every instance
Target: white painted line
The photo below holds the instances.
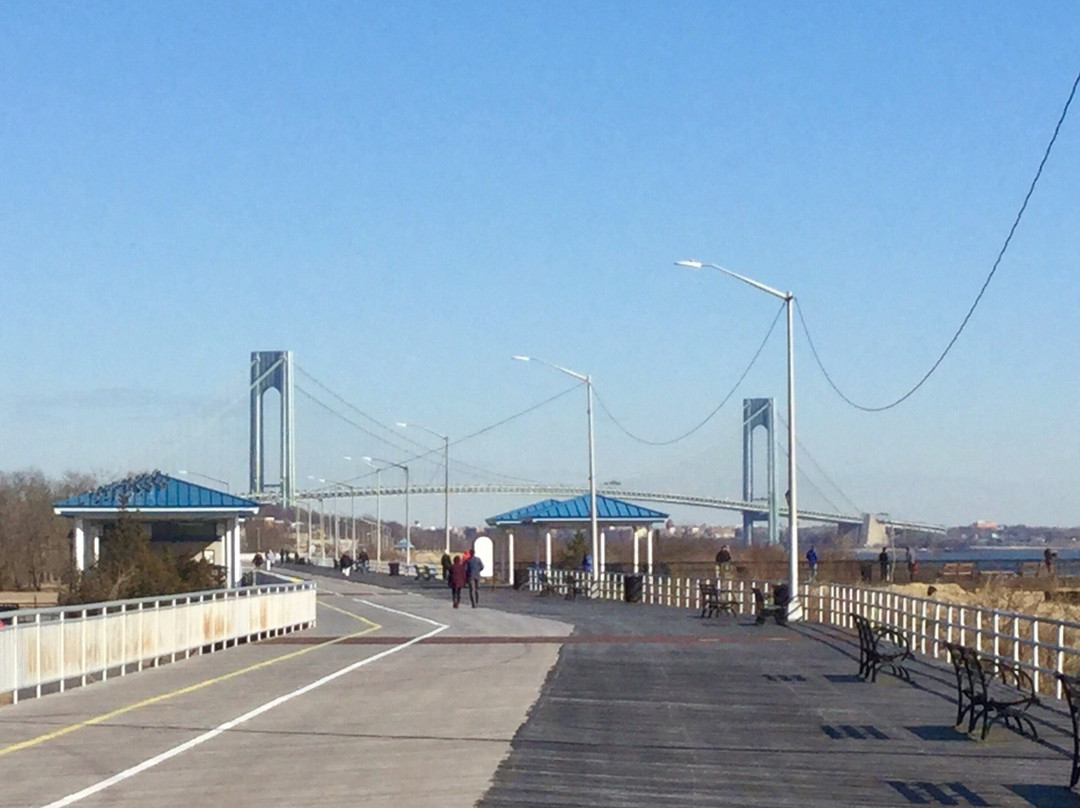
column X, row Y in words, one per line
column 150, row 763
column 396, row 611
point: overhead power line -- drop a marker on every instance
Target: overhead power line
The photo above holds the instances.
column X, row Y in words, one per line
column 978, row 297
column 708, row 417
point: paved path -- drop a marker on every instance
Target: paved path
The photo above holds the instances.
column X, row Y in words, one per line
column 638, row 706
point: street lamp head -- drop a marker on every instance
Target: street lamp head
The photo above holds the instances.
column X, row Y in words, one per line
column 402, row 424
column 521, row 358
column 690, row 262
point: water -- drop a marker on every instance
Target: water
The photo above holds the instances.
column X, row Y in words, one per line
column 986, row 559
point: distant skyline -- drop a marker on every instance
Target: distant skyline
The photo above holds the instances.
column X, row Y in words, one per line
column 405, row 195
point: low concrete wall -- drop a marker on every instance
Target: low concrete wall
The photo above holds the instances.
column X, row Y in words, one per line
column 45, row 650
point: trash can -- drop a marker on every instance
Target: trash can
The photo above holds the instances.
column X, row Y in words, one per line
column 633, row 586
column 781, row 594
column 521, row 578
column 395, row 568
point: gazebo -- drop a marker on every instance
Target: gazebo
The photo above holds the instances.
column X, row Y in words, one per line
column 193, row 518
column 574, row 513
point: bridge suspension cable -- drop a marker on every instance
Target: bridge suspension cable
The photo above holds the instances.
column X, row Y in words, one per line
column 806, row 453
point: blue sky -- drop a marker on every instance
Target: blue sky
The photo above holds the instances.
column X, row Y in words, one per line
column 406, row 194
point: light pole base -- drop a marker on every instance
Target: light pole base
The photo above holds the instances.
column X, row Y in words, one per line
column 794, row 610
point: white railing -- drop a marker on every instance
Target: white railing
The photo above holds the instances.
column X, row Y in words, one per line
column 67, row 646
column 1044, row 646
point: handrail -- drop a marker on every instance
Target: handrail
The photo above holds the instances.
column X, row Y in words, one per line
column 1041, row 645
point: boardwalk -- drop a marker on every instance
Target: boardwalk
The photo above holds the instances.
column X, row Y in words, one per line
column 526, row 701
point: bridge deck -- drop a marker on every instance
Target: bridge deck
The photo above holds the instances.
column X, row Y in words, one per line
column 638, row 706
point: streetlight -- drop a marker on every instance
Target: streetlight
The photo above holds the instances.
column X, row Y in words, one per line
column 408, row 525
column 378, row 508
column 446, row 475
column 352, row 512
column 794, row 607
column 187, row 473
column 322, row 525
column 592, row 459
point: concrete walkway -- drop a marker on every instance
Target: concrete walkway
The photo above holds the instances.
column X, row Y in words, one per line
column 397, row 699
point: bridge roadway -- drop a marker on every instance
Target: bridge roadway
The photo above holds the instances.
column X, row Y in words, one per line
column 526, row 701
column 340, row 491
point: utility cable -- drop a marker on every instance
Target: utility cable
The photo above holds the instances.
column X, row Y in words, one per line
column 708, row 417
column 978, row 297
column 526, row 411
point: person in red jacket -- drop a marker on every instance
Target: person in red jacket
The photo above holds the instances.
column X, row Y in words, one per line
column 457, row 579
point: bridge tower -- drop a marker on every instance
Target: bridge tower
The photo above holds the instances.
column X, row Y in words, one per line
column 759, row 412
column 273, row 370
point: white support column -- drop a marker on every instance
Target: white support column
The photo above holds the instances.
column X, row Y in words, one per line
column 78, row 540
column 510, row 557
column 238, row 570
column 648, row 552
column 95, row 532
column 547, row 549
column 603, row 553
column 232, row 561
column 637, row 550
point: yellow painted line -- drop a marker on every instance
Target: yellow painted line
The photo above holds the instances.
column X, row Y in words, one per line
column 97, row 719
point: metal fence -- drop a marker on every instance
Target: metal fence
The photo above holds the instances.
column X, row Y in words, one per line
column 53, row 649
column 1044, row 646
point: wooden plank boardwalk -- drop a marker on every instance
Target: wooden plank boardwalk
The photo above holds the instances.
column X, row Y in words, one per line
column 727, row 713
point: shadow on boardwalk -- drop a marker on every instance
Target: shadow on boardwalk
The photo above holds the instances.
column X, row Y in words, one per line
column 727, row 713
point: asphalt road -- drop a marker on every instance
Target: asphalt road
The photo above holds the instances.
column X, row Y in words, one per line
column 355, row 711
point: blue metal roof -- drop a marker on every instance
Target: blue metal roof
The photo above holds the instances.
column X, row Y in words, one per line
column 608, row 509
column 155, row 490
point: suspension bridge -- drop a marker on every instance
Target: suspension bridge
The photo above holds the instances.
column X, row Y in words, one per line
column 272, row 437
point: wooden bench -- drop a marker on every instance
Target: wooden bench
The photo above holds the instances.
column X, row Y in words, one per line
column 775, row 610
column 546, row 586
column 881, row 646
column 715, row 600
column 425, row 572
column 1071, row 686
column 577, row 583
column 954, row 570
column 991, row 689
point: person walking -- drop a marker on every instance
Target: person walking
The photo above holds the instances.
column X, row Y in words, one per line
column 883, row 561
column 472, row 578
column 447, row 565
column 723, row 562
column 456, row 579
column 912, row 563
column 811, row 560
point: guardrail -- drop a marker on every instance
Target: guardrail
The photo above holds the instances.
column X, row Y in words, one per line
column 42, row 650
column 1041, row 645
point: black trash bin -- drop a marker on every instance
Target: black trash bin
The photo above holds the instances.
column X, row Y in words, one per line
column 521, row 578
column 395, row 568
column 633, row 585
column 781, row 596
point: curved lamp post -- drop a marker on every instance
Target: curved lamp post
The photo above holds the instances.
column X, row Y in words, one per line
column 592, row 458
column 408, row 524
column 446, row 474
column 794, row 605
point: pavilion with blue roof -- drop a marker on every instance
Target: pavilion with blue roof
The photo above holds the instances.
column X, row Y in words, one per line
column 193, row 518
column 575, row 513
